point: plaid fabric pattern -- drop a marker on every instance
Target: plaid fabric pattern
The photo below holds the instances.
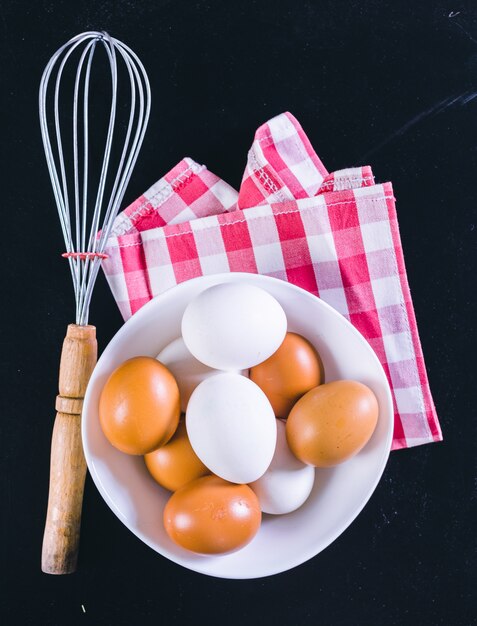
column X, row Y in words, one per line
column 338, row 238
column 187, row 192
column 282, row 165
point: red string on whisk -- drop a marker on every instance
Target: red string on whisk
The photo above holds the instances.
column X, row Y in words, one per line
column 84, row 255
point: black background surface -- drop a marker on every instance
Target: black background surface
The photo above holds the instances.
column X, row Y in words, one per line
column 371, row 82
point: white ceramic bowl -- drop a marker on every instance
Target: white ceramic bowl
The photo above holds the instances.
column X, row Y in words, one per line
column 339, row 493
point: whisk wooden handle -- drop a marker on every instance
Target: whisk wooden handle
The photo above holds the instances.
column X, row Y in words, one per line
column 68, row 466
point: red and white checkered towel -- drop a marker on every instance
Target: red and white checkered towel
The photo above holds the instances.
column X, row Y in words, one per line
column 336, row 235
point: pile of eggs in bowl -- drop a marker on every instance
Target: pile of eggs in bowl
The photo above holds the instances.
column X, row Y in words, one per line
column 233, row 417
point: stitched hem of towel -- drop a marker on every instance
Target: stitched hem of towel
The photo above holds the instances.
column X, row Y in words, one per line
column 164, row 192
column 366, row 178
column 266, row 180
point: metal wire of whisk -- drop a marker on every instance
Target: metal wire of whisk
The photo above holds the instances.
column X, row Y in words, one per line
column 81, row 208
column 88, row 199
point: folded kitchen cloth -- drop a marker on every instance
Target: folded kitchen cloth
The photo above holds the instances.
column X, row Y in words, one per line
column 335, row 235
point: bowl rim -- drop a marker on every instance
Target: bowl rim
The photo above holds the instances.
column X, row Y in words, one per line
column 305, row 555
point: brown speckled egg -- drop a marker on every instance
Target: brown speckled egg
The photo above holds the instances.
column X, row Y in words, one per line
column 139, row 407
column 212, row 516
column 332, row 423
column 290, row 372
column 175, row 464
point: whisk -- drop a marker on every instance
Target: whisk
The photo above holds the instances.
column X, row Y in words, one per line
column 87, row 210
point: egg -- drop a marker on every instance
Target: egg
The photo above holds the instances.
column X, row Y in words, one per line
column 233, row 326
column 290, row 372
column 231, row 427
column 332, row 422
column 287, row 483
column 187, row 370
column 139, row 406
column 212, row 516
column 175, row 464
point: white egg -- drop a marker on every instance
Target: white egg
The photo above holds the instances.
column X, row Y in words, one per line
column 185, row 368
column 233, row 326
column 287, row 483
column 231, row 427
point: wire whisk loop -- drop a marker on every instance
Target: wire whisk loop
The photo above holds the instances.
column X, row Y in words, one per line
column 87, row 210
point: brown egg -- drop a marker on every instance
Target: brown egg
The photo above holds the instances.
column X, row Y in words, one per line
column 175, row 464
column 139, row 407
column 290, row 372
column 212, row 516
column 332, row 422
